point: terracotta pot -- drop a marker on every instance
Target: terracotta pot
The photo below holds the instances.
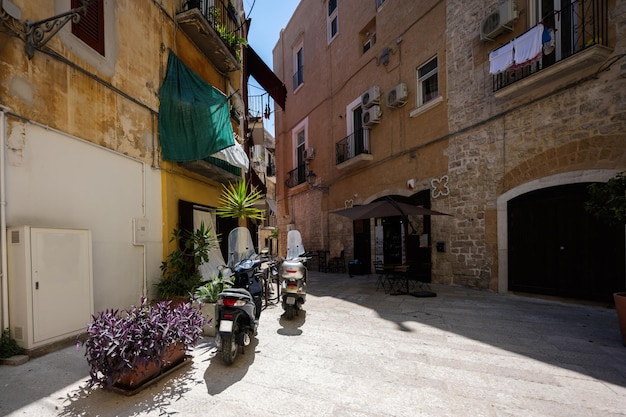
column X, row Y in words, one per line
column 620, row 307
column 142, row 373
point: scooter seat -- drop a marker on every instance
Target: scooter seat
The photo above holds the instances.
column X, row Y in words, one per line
column 237, row 292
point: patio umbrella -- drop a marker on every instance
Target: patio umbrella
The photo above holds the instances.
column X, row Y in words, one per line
column 385, row 208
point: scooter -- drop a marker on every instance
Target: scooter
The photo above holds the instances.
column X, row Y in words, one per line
column 239, row 307
column 293, row 274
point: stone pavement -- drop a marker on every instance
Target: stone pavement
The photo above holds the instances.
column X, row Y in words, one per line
column 361, row 352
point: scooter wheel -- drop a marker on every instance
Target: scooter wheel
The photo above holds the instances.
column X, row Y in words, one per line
column 290, row 311
column 229, row 345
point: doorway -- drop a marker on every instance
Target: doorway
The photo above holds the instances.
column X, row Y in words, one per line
column 556, row 248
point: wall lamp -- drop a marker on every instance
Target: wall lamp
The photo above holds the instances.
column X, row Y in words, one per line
column 311, row 179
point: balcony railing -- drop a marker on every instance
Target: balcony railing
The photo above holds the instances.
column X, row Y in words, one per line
column 296, row 176
column 351, row 146
column 577, row 27
column 210, row 23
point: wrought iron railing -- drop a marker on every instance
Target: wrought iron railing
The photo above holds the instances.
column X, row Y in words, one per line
column 580, row 25
column 296, row 176
column 223, row 17
column 270, row 221
column 355, row 144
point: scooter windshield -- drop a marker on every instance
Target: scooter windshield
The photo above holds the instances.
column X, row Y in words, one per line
column 240, row 246
column 295, row 247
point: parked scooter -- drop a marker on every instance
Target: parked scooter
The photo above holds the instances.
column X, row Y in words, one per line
column 239, row 307
column 293, row 274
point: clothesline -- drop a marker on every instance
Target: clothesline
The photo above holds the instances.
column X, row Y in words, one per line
column 520, row 51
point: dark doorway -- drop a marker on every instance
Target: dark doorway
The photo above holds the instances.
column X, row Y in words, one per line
column 556, row 248
column 392, row 240
column 362, row 244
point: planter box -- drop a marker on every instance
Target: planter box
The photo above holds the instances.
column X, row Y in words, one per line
column 209, row 311
column 139, row 376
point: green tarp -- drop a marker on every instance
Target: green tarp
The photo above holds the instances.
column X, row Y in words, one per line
column 194, row 121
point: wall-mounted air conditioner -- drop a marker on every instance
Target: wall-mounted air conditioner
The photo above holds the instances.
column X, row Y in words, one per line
column 371, row 116
column 309, row 153
column 498, row 21
column 396, row 97
column 371, row 97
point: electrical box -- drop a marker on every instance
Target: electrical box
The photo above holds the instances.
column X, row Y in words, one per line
column 50, row 284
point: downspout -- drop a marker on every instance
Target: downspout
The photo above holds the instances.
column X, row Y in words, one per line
column 3, row 224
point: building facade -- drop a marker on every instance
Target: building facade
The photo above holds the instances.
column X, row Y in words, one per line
column 92, row 139
column 498, row 114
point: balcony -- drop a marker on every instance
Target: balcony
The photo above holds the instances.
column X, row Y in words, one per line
column 580, row 48
column 353, row 150
column 296, row 176
column 214, row 168
column 215, row 29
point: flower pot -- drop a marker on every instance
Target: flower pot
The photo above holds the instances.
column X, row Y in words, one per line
column 209, row 311
column 144, row 372
column 620, row 307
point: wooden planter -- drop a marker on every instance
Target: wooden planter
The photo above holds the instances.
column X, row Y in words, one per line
column 136, row 379
column 620, row 307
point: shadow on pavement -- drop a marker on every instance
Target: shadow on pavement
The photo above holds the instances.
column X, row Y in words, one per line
column 219, row 377
column 581, row 338
column 155, row 398
column 292, row 327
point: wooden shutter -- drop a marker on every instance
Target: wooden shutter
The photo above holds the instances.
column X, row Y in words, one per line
column 90, row 28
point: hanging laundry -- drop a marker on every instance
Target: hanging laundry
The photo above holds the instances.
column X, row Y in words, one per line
column 548, row 41
column 528, row 46
column 501, row 59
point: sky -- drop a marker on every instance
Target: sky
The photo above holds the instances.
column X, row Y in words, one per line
column 268, row 18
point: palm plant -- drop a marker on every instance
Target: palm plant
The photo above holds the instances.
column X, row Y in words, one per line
column 238, row 200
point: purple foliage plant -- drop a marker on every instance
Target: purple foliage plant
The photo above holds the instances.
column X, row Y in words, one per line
column 119, row 341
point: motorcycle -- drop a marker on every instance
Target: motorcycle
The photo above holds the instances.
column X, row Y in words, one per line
column 293, row 274
column 239, row 307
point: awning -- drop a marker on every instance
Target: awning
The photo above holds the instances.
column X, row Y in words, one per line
column 386, row 208
column 234, row 155
column 255, row 181
column 265, row 76
column 194, row 121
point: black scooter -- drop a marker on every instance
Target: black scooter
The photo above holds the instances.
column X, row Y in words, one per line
column 239, row 307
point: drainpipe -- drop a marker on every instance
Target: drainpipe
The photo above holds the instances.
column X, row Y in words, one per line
column 3, row 224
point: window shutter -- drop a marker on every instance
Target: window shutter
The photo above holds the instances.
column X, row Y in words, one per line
column 90, row 28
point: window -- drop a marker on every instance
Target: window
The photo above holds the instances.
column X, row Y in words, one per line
column 427, row 82
column 332, row 20
column 298, row 175
column 298, row 76
column 367, row 36
column 379, row 3
column 90, row 27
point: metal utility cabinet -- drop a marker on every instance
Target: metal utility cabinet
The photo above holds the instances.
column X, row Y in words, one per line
column 50, row 284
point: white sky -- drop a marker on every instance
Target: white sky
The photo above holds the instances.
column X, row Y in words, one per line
column 268, row 18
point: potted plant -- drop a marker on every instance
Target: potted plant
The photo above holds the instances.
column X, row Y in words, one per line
column 238, row 201
column 206, row 294
column 126, row 349
column 8, row 346
column 607, row 202
column 180, row 269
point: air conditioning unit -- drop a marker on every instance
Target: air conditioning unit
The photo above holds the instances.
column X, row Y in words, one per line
column 396, row 97
column 371, row 116
column 370, row 97
column 309, row 153
column 499, row 21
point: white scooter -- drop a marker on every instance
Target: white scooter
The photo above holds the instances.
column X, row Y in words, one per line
column 293, row 274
